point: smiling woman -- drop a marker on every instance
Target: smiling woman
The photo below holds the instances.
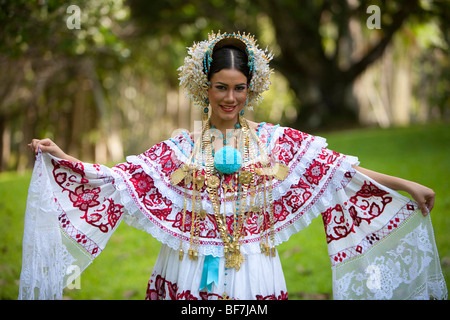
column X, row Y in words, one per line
column 220, row 223
column 227, row 97
column 228, row 79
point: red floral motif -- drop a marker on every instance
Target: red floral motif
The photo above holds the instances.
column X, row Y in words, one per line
column 76, row 167
column 334, row 219
column 142, row 182
column 295, row 135
column 369, row 190
column 84, row 199
column 315, row 172
column 113, row 213
column 287, row 146
column 368, row 203
column 371, row 200
column 103, row 214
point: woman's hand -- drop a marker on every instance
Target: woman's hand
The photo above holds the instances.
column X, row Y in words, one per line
column 424, row 196
column 48, row 146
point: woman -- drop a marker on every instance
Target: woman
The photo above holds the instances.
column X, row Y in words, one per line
column 222, row 199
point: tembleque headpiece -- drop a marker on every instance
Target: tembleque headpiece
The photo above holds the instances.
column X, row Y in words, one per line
column 194, row 73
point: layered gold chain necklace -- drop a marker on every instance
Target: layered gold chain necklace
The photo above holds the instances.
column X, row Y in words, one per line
column 243, row 178
column 243, row 184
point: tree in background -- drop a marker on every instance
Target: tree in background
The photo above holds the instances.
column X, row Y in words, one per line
column 50, row 79
column 315, row 41
column 115, row 78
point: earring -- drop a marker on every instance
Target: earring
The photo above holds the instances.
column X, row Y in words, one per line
column 205, row 113
column 241, row 116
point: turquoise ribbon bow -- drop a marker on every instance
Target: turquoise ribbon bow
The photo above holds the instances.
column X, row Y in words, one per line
column 210, row 273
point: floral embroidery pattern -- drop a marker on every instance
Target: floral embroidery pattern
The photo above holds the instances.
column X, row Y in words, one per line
column 143, row 183
column 84, row 199
column 368, row 203
column 315, row 172
column 101, row 213
column 291, row 146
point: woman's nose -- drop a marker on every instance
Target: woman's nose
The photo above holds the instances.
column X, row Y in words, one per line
column 230, row 97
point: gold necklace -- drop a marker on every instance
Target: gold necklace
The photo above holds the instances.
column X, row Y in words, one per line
column 231, row 240
column 244, row 181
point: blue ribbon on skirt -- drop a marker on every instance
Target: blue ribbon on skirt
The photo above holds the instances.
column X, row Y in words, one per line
column 210, row 273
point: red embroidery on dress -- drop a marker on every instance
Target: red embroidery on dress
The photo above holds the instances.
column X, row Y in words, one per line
column 290, row 148
column 368, row 203
column 282, row 296
column 158, row 288
column 142, row 182
column 103, row 215
column 84, row 198
column 371, row 201
column 374, row 237
column 315, row 172
column 335, row 217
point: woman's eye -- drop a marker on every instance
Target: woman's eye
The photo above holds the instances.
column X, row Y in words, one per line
column 240, row 88
column 221, row 87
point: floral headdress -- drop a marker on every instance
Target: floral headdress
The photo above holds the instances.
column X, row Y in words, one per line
column 194, row 73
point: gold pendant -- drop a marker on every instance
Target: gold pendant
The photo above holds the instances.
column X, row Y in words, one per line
column 179, row 174
column 225, row 296
column 202, row 214
column 193, row 254
column 213, row 182
column 280, row 171
column 199, row 181
column 180, row 254
column 234, row 259
column 262, row 246
column 273, row 252
column 245, row 177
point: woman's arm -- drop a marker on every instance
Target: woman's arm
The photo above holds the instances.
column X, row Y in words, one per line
column 47, row 145
column 424, row 196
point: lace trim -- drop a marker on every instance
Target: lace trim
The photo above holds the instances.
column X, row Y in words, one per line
column 404, row 265
column 45, row 258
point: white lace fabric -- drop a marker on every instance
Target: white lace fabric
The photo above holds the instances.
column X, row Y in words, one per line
column 405, row 265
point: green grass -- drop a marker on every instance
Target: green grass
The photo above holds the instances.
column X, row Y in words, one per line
column 122, row 270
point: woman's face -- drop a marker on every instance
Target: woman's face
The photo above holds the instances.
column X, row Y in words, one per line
column 227, row 95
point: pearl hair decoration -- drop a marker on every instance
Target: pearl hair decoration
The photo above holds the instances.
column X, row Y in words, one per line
column 194, row 73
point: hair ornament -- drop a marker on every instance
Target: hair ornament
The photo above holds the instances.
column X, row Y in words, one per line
column 194, row 73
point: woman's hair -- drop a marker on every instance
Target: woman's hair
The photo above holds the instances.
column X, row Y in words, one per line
column 229, row 57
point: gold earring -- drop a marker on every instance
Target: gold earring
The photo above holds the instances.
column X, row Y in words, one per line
column 205, row 111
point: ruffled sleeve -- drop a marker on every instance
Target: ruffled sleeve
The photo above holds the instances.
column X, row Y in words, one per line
column 380, row 246
column 74, row 208
column 72, row 211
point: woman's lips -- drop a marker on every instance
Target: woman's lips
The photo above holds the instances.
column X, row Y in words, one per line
column 228, row 108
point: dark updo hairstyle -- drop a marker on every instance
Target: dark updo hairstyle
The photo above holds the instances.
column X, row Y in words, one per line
column 229, row 57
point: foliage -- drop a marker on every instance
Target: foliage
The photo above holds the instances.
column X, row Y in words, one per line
column 315, row 40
